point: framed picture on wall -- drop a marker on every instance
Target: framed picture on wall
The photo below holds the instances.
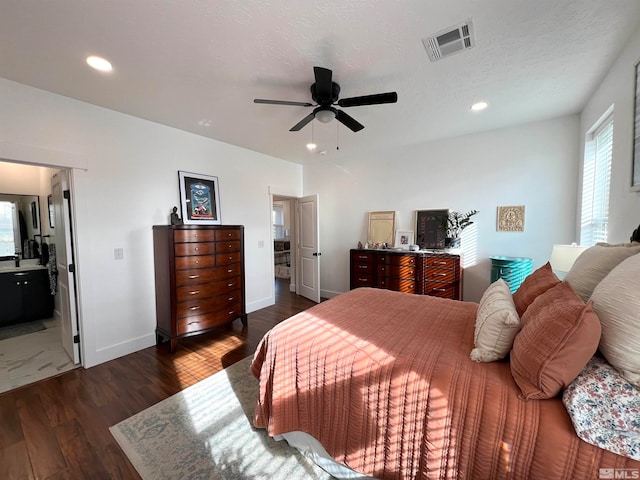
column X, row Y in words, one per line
column 34, row 215
column 635, row 161
column 199, row 198
column 51, row 213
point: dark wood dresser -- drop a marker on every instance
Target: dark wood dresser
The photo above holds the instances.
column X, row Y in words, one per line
column 422, row 273
column 199, row 272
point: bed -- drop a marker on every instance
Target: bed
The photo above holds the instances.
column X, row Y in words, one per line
column 384, row 381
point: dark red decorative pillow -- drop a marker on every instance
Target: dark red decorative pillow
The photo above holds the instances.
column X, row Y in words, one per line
column 534, row 285
column 559, row 336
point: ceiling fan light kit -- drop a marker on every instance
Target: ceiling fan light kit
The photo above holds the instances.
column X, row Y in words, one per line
column 325, row 115
column 325, row 93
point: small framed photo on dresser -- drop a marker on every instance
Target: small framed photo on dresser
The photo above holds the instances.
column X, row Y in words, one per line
column 404, row 238
column 199, row 198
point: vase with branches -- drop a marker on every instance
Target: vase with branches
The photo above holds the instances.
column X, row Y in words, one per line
column 454, row 224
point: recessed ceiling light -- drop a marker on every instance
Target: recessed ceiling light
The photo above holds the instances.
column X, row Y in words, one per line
column 99, row 63
column 476, row 107
column 311, row 146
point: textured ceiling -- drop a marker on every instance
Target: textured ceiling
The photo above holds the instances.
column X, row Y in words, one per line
column 197, row 65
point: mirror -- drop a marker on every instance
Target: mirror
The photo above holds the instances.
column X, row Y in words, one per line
column 20, row 224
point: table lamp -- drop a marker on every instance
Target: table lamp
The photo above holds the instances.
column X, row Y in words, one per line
column 563, row 257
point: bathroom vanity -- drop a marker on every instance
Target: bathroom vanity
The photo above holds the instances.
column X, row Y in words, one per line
column 24, row 293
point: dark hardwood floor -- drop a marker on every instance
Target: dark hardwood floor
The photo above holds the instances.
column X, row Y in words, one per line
column 59, row 428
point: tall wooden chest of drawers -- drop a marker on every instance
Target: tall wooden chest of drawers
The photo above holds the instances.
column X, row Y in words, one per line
column 199, row 273
column 423, row 273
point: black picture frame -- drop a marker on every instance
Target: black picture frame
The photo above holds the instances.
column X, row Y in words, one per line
column 199, row 198
column 635, row 161
column 430, row 228
column 34, row 215
column 51, row 211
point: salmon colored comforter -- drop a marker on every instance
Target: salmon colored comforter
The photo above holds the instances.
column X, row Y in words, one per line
column 384, row 381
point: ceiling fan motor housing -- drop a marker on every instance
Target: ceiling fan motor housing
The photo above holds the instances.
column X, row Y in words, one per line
column 335, row 93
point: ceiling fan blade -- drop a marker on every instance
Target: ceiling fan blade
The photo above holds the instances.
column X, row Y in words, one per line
column 389, row 97
column 348, row 121
column 282, row 102
column 323, row 82
column 302, row 123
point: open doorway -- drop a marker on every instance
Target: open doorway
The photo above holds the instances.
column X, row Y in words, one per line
column 32, row 342
column 295, row 223
column 283, row 221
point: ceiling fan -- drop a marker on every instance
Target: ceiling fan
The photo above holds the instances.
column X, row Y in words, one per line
column 325, row 93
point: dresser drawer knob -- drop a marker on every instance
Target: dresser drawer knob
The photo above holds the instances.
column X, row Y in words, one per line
column 197, row 262
column 441, row 274
column 231, row 312
column 230, row 270
column 194, row 292
column 362, row 257
column 230, row 257
column 194, row 276
column 440, row 263
column 229, row 284
column 194, row 308
column 362, row 279
column 363, row 266
column 196, row 249
column 439, row 289
column 230, row 299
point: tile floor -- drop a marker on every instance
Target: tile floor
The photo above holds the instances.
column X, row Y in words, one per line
column 32, row 357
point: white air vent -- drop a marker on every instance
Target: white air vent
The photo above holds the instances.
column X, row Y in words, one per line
column 452, row 40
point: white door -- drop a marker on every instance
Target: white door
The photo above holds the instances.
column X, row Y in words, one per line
column 309, row 265
column 66, row 310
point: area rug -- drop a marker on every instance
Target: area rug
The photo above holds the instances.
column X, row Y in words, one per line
column 18, row 329
column 205, row 432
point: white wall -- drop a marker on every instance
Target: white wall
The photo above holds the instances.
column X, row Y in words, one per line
column 617, row 89
column 535, row 165
column 129, row 185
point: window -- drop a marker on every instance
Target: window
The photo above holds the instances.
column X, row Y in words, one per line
column 8, row 229
column 278, row 221
column 596, row 183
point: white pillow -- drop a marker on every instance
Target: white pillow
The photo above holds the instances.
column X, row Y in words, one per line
column 616, row 301
column 497, row 323
column 595, row 263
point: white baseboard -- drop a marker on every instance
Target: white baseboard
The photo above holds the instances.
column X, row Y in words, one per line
column 265, row 302
column 118, row 350
column 329, row 293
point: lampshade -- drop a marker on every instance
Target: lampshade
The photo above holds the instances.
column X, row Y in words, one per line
column 325, row 116
column 563, row 256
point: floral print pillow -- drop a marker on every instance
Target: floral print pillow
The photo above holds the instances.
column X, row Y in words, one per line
column 605, row 409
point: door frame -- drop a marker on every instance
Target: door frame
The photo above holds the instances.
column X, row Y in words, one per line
column 56, row 160
column 295, row 227
column 293, row 237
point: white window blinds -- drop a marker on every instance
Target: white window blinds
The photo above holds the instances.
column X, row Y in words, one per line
column 278, row 221
column 595, row 184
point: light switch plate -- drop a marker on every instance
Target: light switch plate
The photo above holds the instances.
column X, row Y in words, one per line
column 118, row 253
